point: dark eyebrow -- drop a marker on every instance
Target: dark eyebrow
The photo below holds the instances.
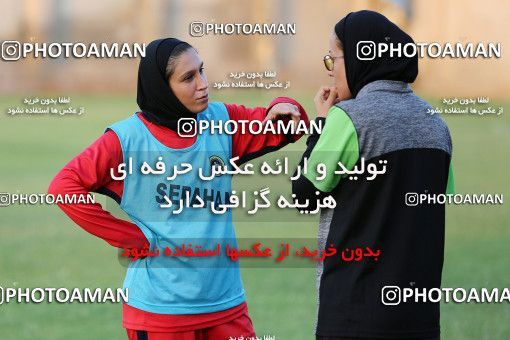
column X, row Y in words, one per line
column 187, row 74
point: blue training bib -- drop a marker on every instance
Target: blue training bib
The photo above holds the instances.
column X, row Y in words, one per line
column 172, row 284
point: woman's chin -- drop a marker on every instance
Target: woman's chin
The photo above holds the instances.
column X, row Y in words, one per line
column 199, row 107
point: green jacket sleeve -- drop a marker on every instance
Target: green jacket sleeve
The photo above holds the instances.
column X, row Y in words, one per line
column 450, row 186
column 338, row 142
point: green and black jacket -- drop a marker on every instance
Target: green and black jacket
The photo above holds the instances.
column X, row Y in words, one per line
column 388, row 122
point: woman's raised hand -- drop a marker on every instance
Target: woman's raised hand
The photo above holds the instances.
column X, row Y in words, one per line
column 324, row 99
column 284, row 109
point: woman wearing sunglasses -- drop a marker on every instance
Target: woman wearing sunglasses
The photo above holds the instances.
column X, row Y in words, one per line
column 372, row 118
column 173, row 298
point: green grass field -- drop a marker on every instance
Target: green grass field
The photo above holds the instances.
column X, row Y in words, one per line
column 41, row 247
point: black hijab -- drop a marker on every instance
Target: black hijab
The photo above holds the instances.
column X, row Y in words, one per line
column 154, row 96
column 373, row 26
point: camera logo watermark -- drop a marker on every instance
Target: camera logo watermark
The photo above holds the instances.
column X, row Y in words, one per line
column 14, row 50
column 390, row 295
column 394, row 295
column 366, row 50
column 369, row 50
column 412, row 199
column 5, row 199
column 11, row 50
column 190, row 127
column 187, row 127
column 199, row 29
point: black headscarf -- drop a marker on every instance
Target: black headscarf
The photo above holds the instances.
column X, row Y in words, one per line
column 154, row 96
column 373, row 26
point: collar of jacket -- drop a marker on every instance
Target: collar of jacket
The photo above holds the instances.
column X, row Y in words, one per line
column 384, row 85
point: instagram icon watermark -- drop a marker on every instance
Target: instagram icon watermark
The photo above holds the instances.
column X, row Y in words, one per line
column 11, row 50
column 370, row 50
column 14, row 50
column 394, row 295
